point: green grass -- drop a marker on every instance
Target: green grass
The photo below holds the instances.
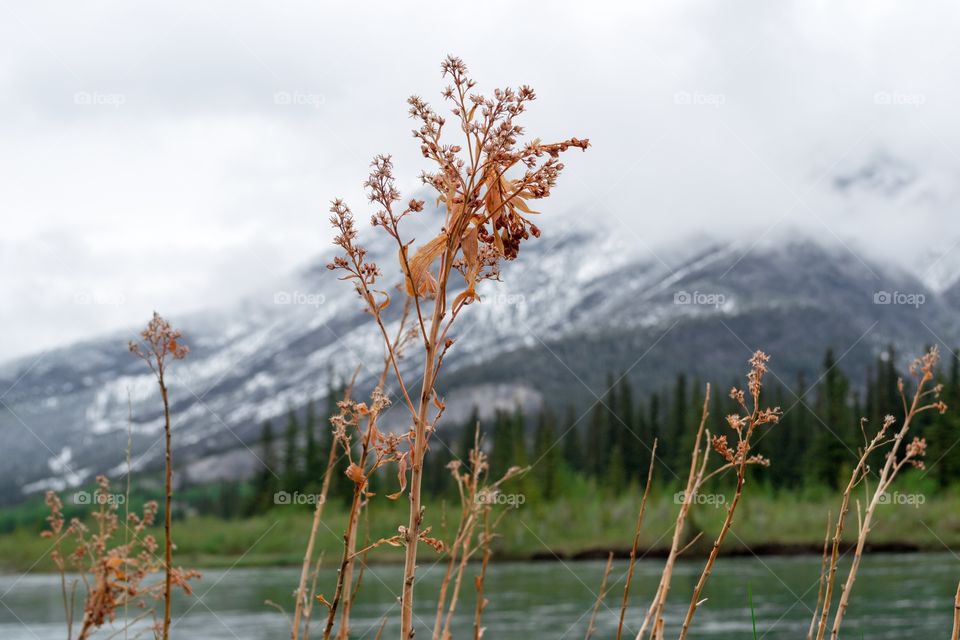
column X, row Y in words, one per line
column 565, row 527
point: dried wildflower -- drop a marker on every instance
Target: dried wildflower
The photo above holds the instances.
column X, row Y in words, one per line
column 917, row 449
column 922, row 369
column 485, row 182
column 160, row 341
column 737, row 458
column 721, row 446
column 118, row 570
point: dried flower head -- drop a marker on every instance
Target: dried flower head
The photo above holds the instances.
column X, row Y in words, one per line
column 159, row 341
column 117, row 559
column 917, row 449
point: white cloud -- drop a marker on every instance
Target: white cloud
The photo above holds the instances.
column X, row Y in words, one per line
column 148, row 157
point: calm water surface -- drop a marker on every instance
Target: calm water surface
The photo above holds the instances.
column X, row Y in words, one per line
column 897, row 596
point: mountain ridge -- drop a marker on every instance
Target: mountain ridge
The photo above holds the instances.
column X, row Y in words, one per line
column 586, row 304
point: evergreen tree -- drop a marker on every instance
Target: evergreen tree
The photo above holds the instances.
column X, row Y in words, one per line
column 573, row 454
column 502, row 454
column 266, row 482
column 547, row 457
column 796, row 429
column 656, row 430
column 290, row 478
column 633, row 450
column 468, row 435
column 830, row 451
column 678, row 431
column 313, row 463
column 521, row 458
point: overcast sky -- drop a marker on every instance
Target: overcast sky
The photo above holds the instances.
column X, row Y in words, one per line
column 174, row 155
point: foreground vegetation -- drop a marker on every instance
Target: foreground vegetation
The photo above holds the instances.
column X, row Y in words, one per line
column 506, row 503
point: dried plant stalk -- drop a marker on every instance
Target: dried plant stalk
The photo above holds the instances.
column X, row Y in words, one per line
column 923, row 371
column 160, row 341
column 823, row 577
column 694, row 482
column 956, row 616
column 600, row 597
column 303, row 599
column 114, row 575
column 634, row 549
column 476, row 505
column 484, row 184
column 486, row 537
column 377, row 450
column 744, row 426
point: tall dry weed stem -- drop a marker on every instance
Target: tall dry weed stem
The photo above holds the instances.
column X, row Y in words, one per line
column 744, row 426
column 925, row 398
column 484, row 183
column 736, row 458
column 956, row 616
column 159, row 344
column 475, row 531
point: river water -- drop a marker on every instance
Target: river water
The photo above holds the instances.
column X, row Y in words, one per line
column 896, row 596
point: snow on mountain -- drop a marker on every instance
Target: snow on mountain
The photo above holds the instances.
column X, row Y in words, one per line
column 578, row 304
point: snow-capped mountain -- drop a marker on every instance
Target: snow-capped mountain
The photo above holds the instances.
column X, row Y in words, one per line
column 577, row 305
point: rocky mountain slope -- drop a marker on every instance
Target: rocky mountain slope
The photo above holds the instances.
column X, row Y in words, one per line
column 577, row 305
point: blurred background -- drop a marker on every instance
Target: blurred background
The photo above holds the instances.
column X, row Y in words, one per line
column 762, row 176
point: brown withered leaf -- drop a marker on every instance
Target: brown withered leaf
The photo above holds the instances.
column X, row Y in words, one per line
column 401, row 476
column 355, row 473
column 420, row 280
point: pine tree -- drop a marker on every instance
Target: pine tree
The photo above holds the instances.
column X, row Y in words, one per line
column 597, row 441
column 656, row 430
column 547, row 457
column 501, row 456
column 265, row 483
column 573, row 455
column 291, row 458
column 633, row 450
column 830, row 452
column 678, row 431
column 468, row 435
column 312, row 463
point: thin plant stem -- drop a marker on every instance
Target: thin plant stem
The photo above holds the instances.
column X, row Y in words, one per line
column 694, row 478
column 823, row 575
column 481, row 579
column 315, row 525
column 889, row 472
column 600, row 597
column 745, row 427
column 956, row 616
column 634, row 549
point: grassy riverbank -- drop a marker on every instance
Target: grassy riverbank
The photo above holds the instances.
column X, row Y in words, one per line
column 582, row 526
